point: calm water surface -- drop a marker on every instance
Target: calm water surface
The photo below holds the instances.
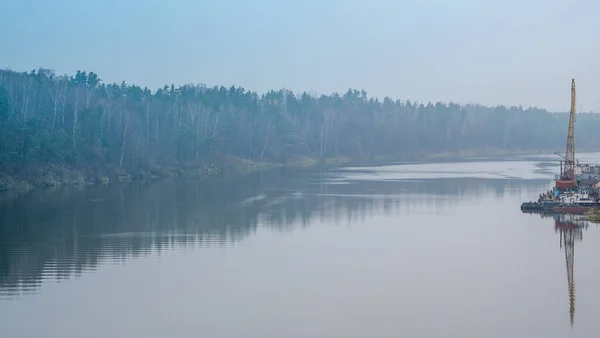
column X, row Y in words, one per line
column 413, row 250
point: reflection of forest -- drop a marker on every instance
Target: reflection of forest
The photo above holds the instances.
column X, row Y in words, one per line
column 53, row 234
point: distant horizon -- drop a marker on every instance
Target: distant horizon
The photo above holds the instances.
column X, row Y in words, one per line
column 494, row 53
column 301, row 92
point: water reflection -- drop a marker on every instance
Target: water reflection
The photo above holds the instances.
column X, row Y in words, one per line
column 570, row 229
column 53, row 235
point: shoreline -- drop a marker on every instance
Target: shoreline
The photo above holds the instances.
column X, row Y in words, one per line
column 52, row 176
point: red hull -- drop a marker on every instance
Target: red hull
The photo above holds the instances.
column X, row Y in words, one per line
column 565, row 184
column 571, row 210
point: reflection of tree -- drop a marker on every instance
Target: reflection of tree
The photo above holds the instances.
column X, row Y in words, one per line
column 55, row 234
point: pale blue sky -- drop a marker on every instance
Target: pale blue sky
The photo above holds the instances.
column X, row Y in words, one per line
column 491, row 52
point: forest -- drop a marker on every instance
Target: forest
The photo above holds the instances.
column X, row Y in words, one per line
column 57, row 129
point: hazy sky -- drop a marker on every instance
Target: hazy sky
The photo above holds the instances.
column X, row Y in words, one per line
column 492, row 52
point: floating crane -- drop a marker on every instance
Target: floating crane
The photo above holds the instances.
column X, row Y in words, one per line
column 567, row 167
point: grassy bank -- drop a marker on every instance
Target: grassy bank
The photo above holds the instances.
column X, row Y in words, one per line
column 56, row 176
column 594, row 215
column 49, row 176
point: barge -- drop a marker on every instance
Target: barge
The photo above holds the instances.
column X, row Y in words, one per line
column 576, row 203
column 539, row 205
column 563, row 202
column 572, row 209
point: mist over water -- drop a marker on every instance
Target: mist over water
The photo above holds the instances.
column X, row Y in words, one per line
column 420, row 250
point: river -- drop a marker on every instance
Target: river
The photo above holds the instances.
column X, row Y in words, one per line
column 396, row 250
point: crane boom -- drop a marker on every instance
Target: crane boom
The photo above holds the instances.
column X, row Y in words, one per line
column 566, row 180
column 569, row 168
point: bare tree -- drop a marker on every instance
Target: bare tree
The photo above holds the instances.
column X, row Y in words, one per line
column 58, row 95
column 127, row 127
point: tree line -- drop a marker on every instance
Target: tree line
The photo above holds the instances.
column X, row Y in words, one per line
column 81, row 123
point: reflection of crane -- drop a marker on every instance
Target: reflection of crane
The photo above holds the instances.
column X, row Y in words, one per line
column 567, row 171
column 570, row 231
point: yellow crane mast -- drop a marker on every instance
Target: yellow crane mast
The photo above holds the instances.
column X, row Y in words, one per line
column 567, row 172
column 570, row 153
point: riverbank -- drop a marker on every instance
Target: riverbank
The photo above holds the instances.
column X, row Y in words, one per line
column 593, row 215
column 50, row 175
